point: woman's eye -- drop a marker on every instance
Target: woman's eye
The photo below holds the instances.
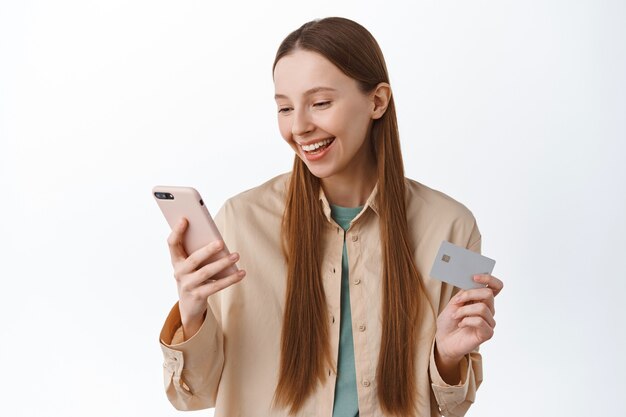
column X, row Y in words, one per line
column 284, row 109
column 321, row 104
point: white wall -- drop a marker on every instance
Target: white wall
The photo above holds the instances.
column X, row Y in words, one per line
column 516, row 109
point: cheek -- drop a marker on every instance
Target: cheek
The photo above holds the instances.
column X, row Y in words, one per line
column 362, row 119
column 351, row 126
column 348, row 122
column 284, row 126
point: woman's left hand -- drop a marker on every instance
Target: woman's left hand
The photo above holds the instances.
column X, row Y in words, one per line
column 467, row 321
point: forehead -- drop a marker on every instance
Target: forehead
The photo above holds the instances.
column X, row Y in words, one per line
column 302, row 70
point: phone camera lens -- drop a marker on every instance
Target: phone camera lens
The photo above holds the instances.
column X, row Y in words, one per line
column 164, row 196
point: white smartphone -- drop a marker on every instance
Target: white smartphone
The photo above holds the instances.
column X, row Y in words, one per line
column 178, row 202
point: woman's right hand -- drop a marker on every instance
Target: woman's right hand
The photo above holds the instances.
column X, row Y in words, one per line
column 196, row 284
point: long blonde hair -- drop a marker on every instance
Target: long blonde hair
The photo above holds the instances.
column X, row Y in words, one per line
column 305, row 346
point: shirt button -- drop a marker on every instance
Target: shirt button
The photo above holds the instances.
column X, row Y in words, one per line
column 357, row 281
column 355, row 238
column 332, row 318
column 366, row 383
column 361, row 327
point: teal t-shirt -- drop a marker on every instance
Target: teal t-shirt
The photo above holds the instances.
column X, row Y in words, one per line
column 346, row 399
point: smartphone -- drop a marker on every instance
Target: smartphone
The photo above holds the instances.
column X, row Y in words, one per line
column 179, row 202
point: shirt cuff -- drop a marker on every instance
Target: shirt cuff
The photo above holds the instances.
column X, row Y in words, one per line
column 449, row 396
column 190, row 353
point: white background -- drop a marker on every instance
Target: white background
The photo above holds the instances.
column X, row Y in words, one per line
column 516, row 109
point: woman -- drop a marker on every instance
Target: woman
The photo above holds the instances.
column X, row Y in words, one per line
column 337, row 315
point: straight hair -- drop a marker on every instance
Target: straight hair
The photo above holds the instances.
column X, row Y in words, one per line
column 305, row 339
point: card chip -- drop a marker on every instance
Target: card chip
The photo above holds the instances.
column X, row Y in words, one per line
column 445, row 258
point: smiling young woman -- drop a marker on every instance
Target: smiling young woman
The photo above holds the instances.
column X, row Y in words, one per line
column 325, row 117
column 337, row 315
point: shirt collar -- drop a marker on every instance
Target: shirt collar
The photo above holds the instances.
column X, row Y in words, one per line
column 372, row 202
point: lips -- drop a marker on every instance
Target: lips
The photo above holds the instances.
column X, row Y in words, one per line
column 317, row 147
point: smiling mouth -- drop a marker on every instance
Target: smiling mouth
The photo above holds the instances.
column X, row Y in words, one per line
column 317, row 147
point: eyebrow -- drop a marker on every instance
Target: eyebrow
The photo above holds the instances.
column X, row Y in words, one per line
column 308, row 92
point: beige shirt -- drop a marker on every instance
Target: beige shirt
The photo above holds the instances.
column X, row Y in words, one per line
column 232, row 362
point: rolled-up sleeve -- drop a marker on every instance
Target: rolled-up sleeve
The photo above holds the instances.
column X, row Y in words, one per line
column 192, row 368
column 455, row 400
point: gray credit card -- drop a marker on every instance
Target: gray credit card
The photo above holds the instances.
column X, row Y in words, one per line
column 456, row 265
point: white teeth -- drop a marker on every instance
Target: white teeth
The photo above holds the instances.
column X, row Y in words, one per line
column 314, row 146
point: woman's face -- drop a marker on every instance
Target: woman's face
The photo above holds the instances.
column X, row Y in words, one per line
column 323, row 115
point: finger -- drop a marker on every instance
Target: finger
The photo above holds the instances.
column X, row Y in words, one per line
column 194, row 260
column 481, row 295
column 475, row 294
column 208, row 271
column 487, row 303
column 475, row 310
column 213, row 286
column 484, row 330
column 175, row 242
column 490, row 281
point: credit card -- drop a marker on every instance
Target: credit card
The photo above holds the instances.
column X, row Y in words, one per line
column 456, row 265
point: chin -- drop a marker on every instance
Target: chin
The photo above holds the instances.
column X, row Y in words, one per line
column 318, row 171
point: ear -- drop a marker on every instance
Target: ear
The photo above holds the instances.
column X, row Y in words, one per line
column 380, row 100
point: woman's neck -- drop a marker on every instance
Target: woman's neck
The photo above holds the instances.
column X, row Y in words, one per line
column 349, row 191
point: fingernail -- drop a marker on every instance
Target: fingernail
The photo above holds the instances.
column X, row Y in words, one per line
column 241, row 273
column 233, row 256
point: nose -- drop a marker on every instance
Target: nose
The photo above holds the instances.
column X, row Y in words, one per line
column 301, row 123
